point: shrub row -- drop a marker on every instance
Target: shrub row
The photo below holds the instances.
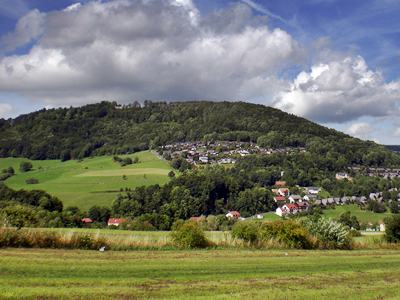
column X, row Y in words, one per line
column 10, row 237
column 318, row 233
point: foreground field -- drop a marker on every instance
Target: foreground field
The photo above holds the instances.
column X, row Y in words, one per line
column 208, row 274
column 93, row 181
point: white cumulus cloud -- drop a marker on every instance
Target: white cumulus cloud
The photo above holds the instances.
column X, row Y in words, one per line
column 340, row 91
column 135, row 50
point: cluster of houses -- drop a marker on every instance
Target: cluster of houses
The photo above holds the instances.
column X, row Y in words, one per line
column 292, row 204
column 377, row 172
column 222, row 152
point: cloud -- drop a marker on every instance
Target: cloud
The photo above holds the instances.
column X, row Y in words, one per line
column 29, row 27
column 339, row 91
column 117, row 51
column 360, row 129
column 397, row 132
column 5, row 109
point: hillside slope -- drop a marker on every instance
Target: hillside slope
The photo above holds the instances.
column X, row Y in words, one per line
column 92, row 181
column 106, row 128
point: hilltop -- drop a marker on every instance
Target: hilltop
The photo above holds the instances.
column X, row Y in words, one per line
column 107, row 128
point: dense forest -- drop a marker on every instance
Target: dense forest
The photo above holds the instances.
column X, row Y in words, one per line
column 107, row 128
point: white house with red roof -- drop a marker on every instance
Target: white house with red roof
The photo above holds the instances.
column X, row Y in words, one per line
column 115, row 221
column 233, row 214
column 287, row 209
column 280, row 199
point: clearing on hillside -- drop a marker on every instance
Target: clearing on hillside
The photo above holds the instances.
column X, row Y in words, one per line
column 92, row 181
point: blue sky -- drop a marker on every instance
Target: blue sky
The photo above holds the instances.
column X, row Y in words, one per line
column 336, row 62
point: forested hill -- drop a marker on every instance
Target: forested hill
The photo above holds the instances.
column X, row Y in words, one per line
column 106, row 128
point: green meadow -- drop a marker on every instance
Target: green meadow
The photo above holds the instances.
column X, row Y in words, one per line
column 92, row 181
column 363, row 216
column 199, row 274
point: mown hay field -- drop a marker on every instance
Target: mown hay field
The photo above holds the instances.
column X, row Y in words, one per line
column 199, row 274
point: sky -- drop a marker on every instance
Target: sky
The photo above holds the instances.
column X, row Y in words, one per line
column 335, row 62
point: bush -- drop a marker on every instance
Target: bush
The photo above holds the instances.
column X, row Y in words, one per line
column 392, row 230
column 32, row 181
column 351, row 221
column 189, row 235
column 290, row 233
column 25, row 166
column 246, row 231
column 376, row 206
column 330, row 234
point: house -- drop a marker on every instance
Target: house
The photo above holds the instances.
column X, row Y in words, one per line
column 342, row 176
column 382, row 226
column 280, row 212
column 233, row 214
column 302, row 206
column 115, row 221
column 313, row 190
column 309, row 197
column 286, row 210
column 203, row 159
column 290, row 208
column 244, row 152
column 279, row 199
column 280, row 183
column 87, row 220
column 283, row 191
column 295, row 198
column 259, row 216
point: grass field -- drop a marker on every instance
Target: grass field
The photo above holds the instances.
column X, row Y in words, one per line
column 206, row 274
column 122, row 238
column 93, row 181
column 363, row 216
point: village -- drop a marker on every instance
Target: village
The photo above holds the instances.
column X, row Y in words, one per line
column 386, row 173
column 219, row 152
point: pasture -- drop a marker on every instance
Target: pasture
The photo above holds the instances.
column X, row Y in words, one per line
column 364, row 216
column 199, row 274
column 92, row 181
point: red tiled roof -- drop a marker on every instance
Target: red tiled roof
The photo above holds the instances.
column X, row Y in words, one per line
column 280, row 183
column 279, row 198
column 234, row 213
column 87, row 220
column 292, row 206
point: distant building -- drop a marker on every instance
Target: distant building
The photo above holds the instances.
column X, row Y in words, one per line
column 203, row 159
column 312, row 190
column 342, row 175
column 280, row 183
column 233, row 214
column 87, row 220
column 287, row 209
column 115, row 221
column 279, row 199
column 295, row 198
